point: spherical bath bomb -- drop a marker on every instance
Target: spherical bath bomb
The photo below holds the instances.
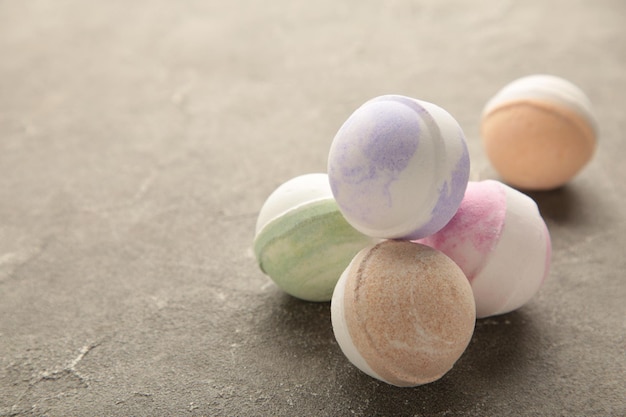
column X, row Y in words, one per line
column 539, row 132
column 302, row 241
column 403, row 313
column 501, row 243
column 398, row 167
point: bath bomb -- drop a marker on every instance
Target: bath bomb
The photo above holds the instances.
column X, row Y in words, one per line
column 398, row 167
column 539, row 132
column 403, row 312
column 302, row 241
column 501, row 243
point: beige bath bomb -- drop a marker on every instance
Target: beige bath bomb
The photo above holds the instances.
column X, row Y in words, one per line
column 538, row 132
column 403, row 312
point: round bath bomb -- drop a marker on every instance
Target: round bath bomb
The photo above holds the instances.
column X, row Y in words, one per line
column 403, row 313
column 539, row 132
column 302, row 241
column 398, row 167
column 501, row 243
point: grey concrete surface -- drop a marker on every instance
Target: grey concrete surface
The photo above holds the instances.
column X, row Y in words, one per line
column 139, row 139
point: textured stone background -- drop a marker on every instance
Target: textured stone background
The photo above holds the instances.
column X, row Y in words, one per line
column 139, row 139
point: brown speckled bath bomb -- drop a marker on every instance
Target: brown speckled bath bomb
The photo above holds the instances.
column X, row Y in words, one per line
column 403, row 312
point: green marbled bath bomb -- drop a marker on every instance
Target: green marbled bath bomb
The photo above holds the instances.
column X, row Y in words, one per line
column 305, row 250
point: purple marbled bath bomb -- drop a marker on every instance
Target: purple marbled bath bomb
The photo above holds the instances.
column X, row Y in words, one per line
column 398, row 168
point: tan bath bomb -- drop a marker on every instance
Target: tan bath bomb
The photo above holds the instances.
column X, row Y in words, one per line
column 539, row 132
column 403, row 312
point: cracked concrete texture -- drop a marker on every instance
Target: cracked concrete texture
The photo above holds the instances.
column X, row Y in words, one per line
column 139, row 140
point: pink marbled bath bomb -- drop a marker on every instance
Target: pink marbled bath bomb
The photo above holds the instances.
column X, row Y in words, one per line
column 500, row 241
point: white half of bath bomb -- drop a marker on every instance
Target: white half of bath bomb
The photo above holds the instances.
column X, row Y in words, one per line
column 303, row 189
